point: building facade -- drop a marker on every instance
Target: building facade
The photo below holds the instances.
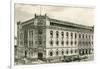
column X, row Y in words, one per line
column 53, row 40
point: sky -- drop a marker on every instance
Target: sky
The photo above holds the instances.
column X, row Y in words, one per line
column 78, row 15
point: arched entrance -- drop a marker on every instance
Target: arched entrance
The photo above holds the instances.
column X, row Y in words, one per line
column 40, row 56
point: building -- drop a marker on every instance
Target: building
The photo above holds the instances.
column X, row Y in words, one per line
column 53, row 40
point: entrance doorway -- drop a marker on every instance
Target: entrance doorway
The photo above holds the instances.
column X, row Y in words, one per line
column 40, row 56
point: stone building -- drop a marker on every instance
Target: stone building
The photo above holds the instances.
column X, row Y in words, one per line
column 49, row 39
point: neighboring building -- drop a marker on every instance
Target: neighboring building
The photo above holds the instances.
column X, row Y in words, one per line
column 49, row 39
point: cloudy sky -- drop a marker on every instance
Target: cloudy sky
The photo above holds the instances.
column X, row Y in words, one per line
column 79, row 15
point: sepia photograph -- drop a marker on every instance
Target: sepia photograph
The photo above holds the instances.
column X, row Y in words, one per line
column 45, row 34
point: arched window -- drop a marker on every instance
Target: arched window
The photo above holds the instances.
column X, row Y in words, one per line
column 86, row 35
column 62, row 42
column 92, row 42
column 51, row 53
column 57, row 42
column 71, row 51
column 89, row 51
column 75, row 42
column 83, row 52
column 83, row 36
column 71, row 35
column 62, row 33
column 79, row 35
column 75, row 35
column 71, row 42
column 57, row 34
column 62, row 52
column 67, row 42
column 86, row 51
column 67, row 34
column 51, row 33
column 57, row 53
column 66, row 51
column 75, row 50
column 51, row 42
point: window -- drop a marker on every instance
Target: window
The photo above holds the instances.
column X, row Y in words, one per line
column 21, row 42
column 79, row 35
column 51, row 33
column 75, row 42
column 31, row 38
column 89, row 51
column 31, row 34
column 62, row 42
column 67, row 42
column 75, row 35
column 71, row 35
column 86, row 35
column 79, row 42
column 89, row 36
column 39, row 31
column 35, row 42
column 57, row 42
column 71, row 51
column 92, row 42
column 30, row 43
column 21, row 35
column 62, row 52
column 57, row 53
column 80, row 51
column 51, row 53
column 57, row 34
column 83, row 36
column 40, row 21
column 86, row 51
column 71, row 42
column 51, row 42
column 62, row 33
column 40, row 42
column 40, row 38
column 67, row 34
column 89, row 42
column 75, row 51
column 67, row 52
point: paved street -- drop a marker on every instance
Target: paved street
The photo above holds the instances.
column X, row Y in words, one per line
column 26, row 61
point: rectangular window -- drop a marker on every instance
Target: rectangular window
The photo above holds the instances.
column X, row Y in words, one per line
column 20, row 35
column 31, row 38
column 31, row 35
